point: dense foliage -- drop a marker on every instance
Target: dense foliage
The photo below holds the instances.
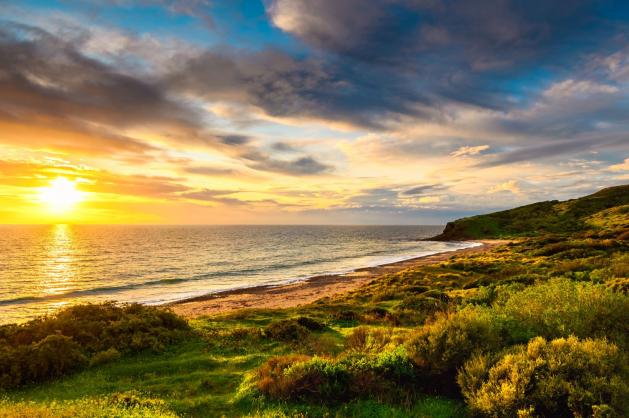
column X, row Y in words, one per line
column 52, row 346
column 558, row 378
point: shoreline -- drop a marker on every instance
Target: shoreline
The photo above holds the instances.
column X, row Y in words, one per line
column 306, row 291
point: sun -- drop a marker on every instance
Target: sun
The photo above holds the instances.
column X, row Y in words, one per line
column 61, row 195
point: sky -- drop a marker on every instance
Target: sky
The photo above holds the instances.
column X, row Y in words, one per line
column 307, row 112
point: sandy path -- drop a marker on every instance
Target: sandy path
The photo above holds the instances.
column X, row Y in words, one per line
column 307, row 291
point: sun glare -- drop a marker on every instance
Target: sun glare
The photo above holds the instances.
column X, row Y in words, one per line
column 61, row 196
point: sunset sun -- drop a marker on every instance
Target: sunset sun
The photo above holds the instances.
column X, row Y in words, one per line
column 61, row 195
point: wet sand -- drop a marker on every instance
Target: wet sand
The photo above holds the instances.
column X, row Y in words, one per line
column 309, row 290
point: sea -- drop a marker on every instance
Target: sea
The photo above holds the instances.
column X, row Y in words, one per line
column 45, row 267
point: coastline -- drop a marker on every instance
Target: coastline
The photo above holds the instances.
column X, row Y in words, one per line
column 309, row 290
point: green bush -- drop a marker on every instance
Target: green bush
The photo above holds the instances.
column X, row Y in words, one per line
column 295, row 377
column 288, row 330
column 560, row 308
column 105, row 357
column 438, row 349
column 51, row 357
column 368, row 340
column 389, row 376
column 561, row 378
column 50, row 347
column 311, row 324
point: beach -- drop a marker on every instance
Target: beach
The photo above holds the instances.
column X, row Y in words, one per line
column 309, row 290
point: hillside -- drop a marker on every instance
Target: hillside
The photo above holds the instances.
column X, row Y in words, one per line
column 606, row 210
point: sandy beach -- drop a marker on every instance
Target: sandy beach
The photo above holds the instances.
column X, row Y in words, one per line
column 307, row 291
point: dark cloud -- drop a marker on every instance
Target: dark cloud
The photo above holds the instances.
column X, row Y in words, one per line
column 423, row 189
column 400, row 59
column 284, row 86
column 44, row 75
column 244, row 149
column 233, row 139
column 210, row 171
column 208, row 194
column 283, row 147
column 222, row 197
column 484, row 34
column 302, row 166
column 45, row 81
column 380, row 196
column 557, row 148
column 446, row 51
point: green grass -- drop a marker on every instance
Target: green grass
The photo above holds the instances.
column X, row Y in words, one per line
column 201, row 377
column 589, row 212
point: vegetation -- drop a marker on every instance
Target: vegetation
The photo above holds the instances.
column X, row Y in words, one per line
column 535, row 328
column 608, row 208
column 562, row 377
column 51, row 347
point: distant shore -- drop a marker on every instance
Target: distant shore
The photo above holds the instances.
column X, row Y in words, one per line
column 309, row 290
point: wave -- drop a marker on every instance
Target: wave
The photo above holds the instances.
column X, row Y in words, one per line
column 231, row 273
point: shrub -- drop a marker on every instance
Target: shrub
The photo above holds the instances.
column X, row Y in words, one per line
column 297, row 377
column 380, row 315
column 560, row 378
column 438, row 349
column 560, row 308
column 311, row 324
column 423, row 304
column 50, row 347
column 288, row 330
column 51, row 357
column 366, row 340
column 389, row 375
column 104, row 357
column 345, row 315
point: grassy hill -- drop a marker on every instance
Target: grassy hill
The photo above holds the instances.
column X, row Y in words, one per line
column 607, row 210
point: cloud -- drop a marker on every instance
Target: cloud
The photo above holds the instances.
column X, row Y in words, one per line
column 469, row 150
column 297, row 167
column 208, row 195
column 234, row 139
column 283, row 147
column 556, row 148
column 388, row 28
column 429, row 199
column 420, row 190
column 32, row 174
column 455, row 50
column 508, row 186
column 47, row 82
column 624, row 166
column 209, row 171
column 572, row 88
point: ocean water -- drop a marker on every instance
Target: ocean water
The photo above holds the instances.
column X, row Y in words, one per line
column 43, row 268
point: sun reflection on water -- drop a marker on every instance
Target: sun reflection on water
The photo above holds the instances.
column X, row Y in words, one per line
column 59, row 266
